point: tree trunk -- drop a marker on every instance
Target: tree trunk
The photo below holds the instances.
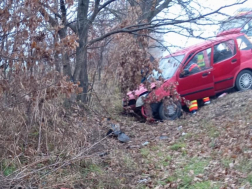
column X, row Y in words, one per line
column 100, row 63
column 77, row 70
column 66, row 66
column 81, row 72
column 56, row 56
column 65, row 57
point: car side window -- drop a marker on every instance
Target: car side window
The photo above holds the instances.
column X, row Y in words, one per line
column 244, row 43
column 224, row 50
column 199, row 62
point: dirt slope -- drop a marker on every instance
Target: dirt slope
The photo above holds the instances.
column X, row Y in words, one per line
column 212, row 149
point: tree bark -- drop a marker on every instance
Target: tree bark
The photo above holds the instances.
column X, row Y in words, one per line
column 81, row 54
column 84, row 77
column 65, row 56
column 100, row 63
column 81, row 73
column 56, row 55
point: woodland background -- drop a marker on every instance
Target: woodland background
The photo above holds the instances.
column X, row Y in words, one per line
column 65, row 67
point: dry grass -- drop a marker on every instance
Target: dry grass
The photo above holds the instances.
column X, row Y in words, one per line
column 210, row 150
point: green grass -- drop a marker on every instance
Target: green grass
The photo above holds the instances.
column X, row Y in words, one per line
column 100, row 178
column 145, row 152
column 166, row 161
column 213, row 132
column 128, row 162
column 189, row 135
column 226, row 162
column 171, row 179
column 7, row 169
column 197, row 165
column 154, row 148
column 185, row 172
column 185, row 182
column 201, row 185
column 249, row 178
column 89, row 167
column 245, row 166
column 178, row 146
column 211, row 129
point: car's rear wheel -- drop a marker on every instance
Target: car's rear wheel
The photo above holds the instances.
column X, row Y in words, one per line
column 244, row 80
column 170, row 111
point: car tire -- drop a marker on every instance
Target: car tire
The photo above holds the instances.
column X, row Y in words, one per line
column 171, row 112
column 244, row 80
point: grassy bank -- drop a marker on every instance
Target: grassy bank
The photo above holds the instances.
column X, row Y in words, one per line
column 210, row 150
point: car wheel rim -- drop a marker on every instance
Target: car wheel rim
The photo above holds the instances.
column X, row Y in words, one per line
column 245, row 81
column 170, row 110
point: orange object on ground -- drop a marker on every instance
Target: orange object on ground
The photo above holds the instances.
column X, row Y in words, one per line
column 193, row 106
column 206, row 99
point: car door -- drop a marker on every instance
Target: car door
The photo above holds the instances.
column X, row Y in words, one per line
column 199, row 84
column 226, row 62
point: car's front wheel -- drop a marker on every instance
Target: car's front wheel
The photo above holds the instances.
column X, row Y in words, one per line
column 170, row 111
column 244, row 80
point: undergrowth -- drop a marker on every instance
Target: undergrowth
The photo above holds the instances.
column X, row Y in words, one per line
column 71, row 150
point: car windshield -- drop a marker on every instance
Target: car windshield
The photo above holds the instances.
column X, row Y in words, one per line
column 168, row 67
column 233, row 23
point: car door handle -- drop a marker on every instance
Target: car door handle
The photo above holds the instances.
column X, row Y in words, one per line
column 205, row 74
column 234, row 61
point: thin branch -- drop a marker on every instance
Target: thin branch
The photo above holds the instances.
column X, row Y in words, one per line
column 45, row 14
column 63, row 10
column 154, row 13
column 98, row 9
column 155, row 25
column 45, row 5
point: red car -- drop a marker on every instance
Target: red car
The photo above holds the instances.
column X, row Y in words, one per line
column 228, row 64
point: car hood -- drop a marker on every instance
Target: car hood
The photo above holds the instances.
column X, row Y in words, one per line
column 141, row 89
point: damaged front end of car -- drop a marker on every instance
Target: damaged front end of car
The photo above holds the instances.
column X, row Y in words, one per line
column 149, row 99
column 155, row 104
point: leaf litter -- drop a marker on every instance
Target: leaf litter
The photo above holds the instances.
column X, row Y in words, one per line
column 210, row 150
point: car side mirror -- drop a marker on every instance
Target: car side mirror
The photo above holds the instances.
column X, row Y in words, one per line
column 184, row 73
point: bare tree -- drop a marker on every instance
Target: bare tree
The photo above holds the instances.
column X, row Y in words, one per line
column 67, row 22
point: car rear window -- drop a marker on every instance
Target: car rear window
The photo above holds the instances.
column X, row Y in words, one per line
column 244, row 43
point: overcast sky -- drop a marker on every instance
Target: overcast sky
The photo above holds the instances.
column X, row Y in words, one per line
column 207, row 31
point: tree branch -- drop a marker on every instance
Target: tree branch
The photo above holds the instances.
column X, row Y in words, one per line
column 56, row 14
column 45, row 14
column 63, row 10
column 152, row 24
column 115, row 13
column 155, row 12
column 73, row 26
column 98, row 9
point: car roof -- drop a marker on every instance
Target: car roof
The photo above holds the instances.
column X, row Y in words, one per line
column 242, row 13
column 205, row 44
